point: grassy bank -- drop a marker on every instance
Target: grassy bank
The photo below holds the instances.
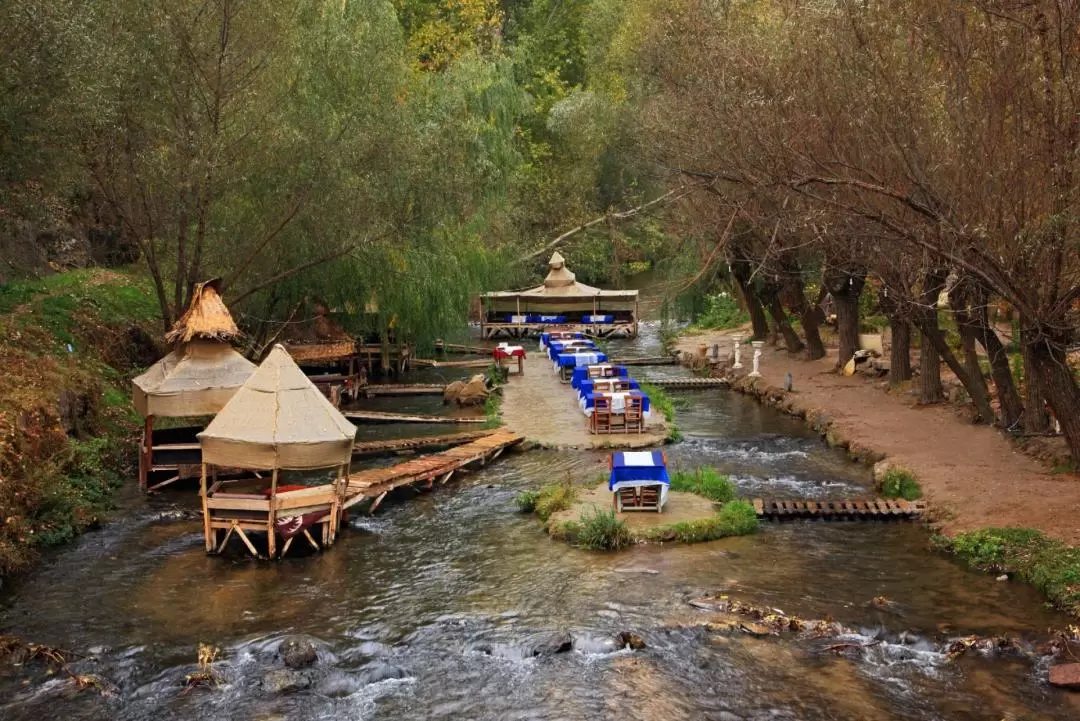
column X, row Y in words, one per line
column 662, row 402
column 68, row 347
column 593, row 525
column 1025, row 554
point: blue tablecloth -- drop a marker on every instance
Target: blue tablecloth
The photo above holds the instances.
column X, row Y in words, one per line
column 546, row 318
column 556, row 347
column 581, row 374
column 588, row 403
column 545, row 338
column 586, row 385
column 598, row 319
column 573, row 360
column 632, row 466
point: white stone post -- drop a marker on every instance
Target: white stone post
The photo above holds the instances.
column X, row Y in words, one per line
column 737, row 339
column 758, row 345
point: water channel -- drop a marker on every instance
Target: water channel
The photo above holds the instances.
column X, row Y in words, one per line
column 431, row 609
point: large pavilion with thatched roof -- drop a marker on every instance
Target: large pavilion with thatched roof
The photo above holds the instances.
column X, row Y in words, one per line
column 195, row 380
column 278, row 424
column 560, row 303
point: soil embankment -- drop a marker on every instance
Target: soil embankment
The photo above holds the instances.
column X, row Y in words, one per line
column 973, row 477
column 545, row 410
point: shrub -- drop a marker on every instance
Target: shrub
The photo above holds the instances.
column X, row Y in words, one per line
column 900, row 483
column 1046, row 563
column 601, row 531
column 704, row 481
column 722, row 311
column 554, row 497
column 492, row 406
column 738, row 518
column 526, row 501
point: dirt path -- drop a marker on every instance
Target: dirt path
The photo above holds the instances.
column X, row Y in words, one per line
column 973, row 477
column 545, row 410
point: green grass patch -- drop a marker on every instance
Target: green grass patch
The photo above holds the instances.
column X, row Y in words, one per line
column 900, row 483
column 492, row 407
column 662, row 402
column 600, row 530
column 1026, row 554
column 704, row 481
column 736, row 518
column 554, row 497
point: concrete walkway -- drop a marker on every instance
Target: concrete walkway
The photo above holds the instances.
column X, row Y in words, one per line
column 545, row 410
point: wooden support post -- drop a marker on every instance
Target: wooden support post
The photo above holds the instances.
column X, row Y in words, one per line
column 146, row 451
column 288, row 542
column 208, row 532
column 225, row 541
column 246, row 540
column 271, row 540
column 312, row 540
column 375, row 504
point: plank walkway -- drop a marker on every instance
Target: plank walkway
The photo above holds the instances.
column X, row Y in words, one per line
column 878, row 508
column 432, row 363
column 380, row 417
column 376, row 483
column 687, row 382
column 664, row 360
column 376, row 448
column 402, row 389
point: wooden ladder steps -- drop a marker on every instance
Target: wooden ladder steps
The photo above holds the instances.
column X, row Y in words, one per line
column 847, row 509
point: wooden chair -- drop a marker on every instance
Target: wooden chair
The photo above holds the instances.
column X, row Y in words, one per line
column 595, row 372
column 600, row 421
column 626, row 498
column 634, row 418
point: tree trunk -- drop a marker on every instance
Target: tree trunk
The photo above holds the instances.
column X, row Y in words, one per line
column 980, row 395
column 771, row 294
column 1055, row 378
column 1035, row 418
column 1008, row 397
column 740, row 270
column 809, row 315
column 971, row 360
column 929, row 358
column 845, row 285
column 900, row 351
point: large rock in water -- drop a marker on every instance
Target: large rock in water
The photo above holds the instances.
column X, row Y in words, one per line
column 1066, row 675
column 474, row 393
column 286, row 680
column 298, row 652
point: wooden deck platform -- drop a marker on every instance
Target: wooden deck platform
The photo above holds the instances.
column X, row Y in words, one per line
column 688, row 382
column 863, row 510
column 398, row 445
column 380, row 417
column 376, row 483
column 402, row 389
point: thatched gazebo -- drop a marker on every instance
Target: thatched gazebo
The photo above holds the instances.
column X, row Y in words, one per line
column 559, row 303
column 195, row 380
column 278, row 422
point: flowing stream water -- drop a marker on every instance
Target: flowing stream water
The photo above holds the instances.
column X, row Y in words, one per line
column 434, row 607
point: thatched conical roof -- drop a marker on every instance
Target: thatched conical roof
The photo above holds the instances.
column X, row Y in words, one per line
column 196, row 379
column 278, row 419
column 206, row 317
column 559, row 276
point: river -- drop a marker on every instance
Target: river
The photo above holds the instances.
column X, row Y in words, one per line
column 431, row 608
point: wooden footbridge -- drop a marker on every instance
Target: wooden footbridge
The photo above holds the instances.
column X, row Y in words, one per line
column 402, row 389
column 664, row 360
column 851, row 510
column 404, row 445
column 380, row 417
column 687, row 382
column 376, row 483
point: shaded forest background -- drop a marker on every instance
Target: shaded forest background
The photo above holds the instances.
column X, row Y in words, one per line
column 914, row 162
